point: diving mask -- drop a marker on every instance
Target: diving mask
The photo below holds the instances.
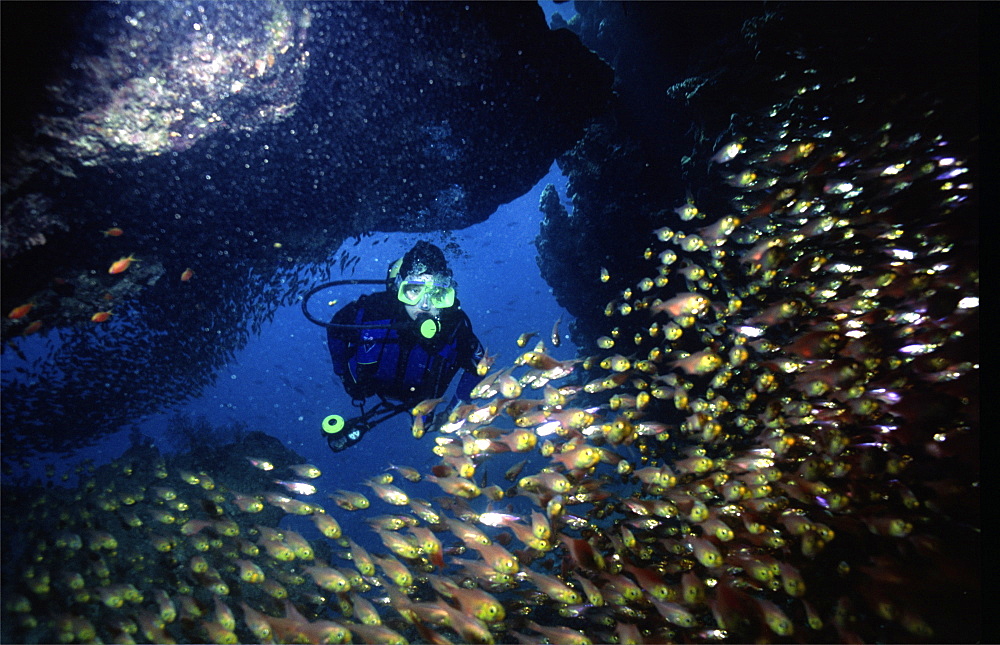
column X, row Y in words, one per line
column 413, row 291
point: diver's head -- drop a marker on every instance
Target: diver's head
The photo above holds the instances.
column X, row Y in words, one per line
column 424, row 283
column 423, row 258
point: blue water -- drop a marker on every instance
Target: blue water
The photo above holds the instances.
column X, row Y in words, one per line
column 565, row 9
column 282, row 382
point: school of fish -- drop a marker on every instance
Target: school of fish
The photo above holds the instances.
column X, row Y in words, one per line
column 776, row 440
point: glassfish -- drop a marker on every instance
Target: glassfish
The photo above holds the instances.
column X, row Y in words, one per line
column 298, row 488
column 553, row 587
column 429, row 544
column 682, row 304
column 262, row 464
column 328, row 578
column 306, row 470
column 497, row 557
column 389, row 494
column 349, row 500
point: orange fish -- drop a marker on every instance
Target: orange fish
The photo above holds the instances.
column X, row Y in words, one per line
column 20, row 312
column 188, row 273
column 122, row 264
column 32, row 328
column 114, row 231
column 100, row 316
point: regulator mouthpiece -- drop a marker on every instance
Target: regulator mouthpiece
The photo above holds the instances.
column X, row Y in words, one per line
column 429, row 327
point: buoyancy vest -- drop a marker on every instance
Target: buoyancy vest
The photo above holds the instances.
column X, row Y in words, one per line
column 397, row 363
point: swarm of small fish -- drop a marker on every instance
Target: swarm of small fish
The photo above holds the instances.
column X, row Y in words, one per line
column 777, row 439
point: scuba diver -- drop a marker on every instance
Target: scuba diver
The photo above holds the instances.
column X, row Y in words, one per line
column 403, row 345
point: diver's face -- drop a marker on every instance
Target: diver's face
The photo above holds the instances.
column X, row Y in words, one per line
column 424, row 306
